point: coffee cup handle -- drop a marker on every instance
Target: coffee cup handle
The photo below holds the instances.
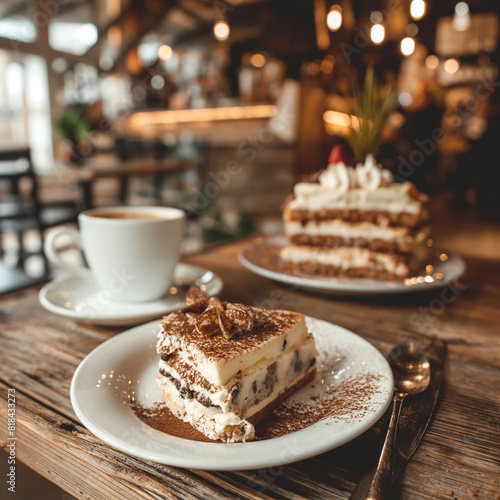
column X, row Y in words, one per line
column 53, row 255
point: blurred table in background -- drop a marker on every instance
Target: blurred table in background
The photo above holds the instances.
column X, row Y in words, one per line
column 90, row 173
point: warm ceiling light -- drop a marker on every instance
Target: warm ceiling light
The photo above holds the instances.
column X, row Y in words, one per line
column 461, row 19
column 432, row 62
column 327, row 65
column 417, row 9
column 334, row 18
column 157, row 82
column 59, row 65
column 407, row 46
column 258, row 60
column 461, row 9
column 221, row 30
column 165, row 52
column 376, row 17
column 377, row 34
column 412, row 29
column 396, row 119
column 342, row 120
column 451, row 66
column 405, row 99
column 105, row 62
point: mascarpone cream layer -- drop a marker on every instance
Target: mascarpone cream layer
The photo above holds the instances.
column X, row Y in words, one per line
column 222, row 371
column 251, row 384
column 344, row 258
column 211, row 422
column 365, row 230
column 392, row 198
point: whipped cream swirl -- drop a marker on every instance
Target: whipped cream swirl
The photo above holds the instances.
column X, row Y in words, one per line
column 368, row 175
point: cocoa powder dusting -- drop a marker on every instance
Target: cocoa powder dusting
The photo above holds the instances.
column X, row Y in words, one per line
column 349, row 401
column 160, row 418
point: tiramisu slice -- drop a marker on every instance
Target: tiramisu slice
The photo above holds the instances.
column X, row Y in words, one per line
column 226, row 366
column 356, row 222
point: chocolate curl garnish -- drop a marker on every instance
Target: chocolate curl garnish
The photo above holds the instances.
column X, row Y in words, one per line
column 196, row 300
column 208, row 322
column 241, row 316
column 236, row 318
column 214, row 321
column 227, row 328
column 215, row 302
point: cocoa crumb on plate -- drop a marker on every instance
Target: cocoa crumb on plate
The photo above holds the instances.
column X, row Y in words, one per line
column 347, row 401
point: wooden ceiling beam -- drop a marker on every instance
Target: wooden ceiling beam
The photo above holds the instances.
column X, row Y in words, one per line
column 189, row 13
column 103, row 30
column 154, row 19
column 15, row 9
column 36, row 49
column 237, row 16
column 68, row 7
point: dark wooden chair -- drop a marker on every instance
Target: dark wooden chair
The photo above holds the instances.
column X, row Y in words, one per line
column 135, row 148
column 20, row 206
column 130, row 150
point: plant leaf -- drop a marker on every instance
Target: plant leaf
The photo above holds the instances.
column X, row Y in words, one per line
column 371, row 105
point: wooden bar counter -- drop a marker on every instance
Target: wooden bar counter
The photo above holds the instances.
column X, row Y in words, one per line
column 459, row 456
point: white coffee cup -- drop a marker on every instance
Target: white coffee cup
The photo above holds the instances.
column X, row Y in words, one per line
column 131, row 251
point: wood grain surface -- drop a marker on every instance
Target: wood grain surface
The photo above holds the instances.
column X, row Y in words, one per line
column 459, row 456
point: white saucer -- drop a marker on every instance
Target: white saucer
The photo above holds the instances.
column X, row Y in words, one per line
column 122, row 372
column 74, row 298
column 262, row 258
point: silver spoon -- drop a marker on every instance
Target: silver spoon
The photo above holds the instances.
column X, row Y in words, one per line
column 412, row 374
column 202, row 280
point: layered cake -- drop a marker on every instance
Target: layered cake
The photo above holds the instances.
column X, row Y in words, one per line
column 356, row 221
column 224, row 366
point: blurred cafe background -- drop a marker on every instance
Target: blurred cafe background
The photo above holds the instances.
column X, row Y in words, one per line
column 219, row 106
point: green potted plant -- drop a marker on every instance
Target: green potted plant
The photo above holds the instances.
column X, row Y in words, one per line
column 73, row 127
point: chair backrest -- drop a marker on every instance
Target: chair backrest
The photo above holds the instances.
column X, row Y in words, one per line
column 133, row 147
column 12, row 165
column 15, row 165
column 14, row 154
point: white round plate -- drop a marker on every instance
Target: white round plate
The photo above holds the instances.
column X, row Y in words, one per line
column 125, row 367
column 255, row 258
column 74, row 298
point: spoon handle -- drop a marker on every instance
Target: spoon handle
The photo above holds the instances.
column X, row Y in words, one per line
column 380, row 487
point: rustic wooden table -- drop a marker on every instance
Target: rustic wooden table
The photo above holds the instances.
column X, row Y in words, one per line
column 458, row 457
